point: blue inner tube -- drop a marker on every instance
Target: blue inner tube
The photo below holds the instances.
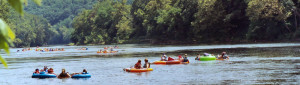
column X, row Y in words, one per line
column 34, row 75
column 87, row 75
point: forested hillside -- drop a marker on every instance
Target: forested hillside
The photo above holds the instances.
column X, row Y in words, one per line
column 49, row 23
column 188, row 21
column 154, row 21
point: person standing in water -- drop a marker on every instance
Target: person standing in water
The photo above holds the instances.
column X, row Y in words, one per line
column 147, row 64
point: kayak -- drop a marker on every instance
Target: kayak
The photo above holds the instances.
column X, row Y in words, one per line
column 167, row 62
column 43, row 75
column 87, row 75
column 137, row 70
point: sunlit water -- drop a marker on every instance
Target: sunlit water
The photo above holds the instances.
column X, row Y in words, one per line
column 249, row 64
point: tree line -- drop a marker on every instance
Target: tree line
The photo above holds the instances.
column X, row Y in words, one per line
column 187, row 21
column 154, row 21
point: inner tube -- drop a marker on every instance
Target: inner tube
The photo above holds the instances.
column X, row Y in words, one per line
column 167, row 62
column 87, row 75
column 137, row 70
column 207, row 58
column 34, row 75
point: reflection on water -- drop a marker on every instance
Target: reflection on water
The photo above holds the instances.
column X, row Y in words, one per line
column 248, row 64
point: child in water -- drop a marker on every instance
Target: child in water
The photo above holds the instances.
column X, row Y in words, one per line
column 36, row 71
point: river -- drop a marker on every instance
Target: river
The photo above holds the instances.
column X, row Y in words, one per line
column 272, row 63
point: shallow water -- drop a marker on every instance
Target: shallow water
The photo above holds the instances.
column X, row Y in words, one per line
column 277, row 63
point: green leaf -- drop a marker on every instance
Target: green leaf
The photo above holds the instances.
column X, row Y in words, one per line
column 38, row 2
column 17, row 5
column 6, row 37
column 3, row 61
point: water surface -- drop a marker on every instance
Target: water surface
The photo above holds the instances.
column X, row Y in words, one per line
column 275, row 63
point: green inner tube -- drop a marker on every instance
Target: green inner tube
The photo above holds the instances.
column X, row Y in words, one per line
column 207, row 58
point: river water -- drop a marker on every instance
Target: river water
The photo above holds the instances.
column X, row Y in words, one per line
column 274, row 63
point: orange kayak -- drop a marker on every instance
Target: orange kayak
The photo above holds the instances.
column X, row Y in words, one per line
column 167, row 62
column 137, row 70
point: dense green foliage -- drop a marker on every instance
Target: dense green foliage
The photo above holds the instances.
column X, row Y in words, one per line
column 107, row 22
column 6, row 34
column 182, row 21
column 30, row 30
column 60, row 14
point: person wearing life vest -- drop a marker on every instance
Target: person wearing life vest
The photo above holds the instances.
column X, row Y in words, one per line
column 138, row 65
column 147, row 64
column 185, row 58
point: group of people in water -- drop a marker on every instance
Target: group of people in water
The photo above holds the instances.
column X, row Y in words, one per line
column 83, row 48
column 184, row 59
column 222, row 56
column 42, row 49
column 138, row 65
column 108, row 50
column 63, row 74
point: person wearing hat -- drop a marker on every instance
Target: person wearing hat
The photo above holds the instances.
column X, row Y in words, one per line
column 138, row 65
column 185, row 58
column 164, row 58
column 224, row 56
column 147, row 64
